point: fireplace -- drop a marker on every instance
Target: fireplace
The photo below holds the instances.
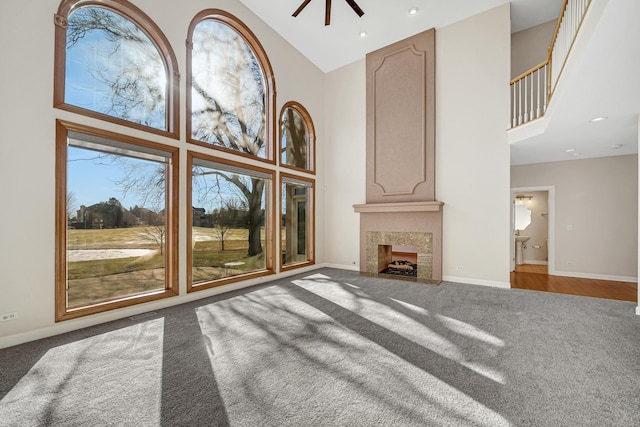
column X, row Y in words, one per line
column 415, row 247
column 400, row 208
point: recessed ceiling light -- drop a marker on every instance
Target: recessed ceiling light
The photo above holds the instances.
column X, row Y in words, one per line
column 570, row 150
column 363, row 34
column 413, row 10
column 598, row 119
column 616, row 146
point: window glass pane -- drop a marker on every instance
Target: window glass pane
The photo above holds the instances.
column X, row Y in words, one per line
column 295, row 227
column 228, row 91
column 113, row 68
column 294, row 139
column 228, row 223
column 116, row 226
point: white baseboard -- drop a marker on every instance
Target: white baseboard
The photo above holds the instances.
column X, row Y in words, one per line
column 535, row 262
column 342, row 266
column 96, row 319
column 594, row 276
column 491, row 283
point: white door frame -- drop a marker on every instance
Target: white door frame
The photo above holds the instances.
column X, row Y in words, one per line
column 551, row 244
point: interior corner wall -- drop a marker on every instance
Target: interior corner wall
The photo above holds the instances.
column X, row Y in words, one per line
column 27, row 142
column 472, row 153
column 596, row 214
column 530, row 47
column 345, row 164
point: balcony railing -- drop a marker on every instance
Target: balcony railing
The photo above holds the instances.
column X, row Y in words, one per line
column 531, row 91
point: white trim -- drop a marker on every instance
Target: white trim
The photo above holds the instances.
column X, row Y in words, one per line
column 490, row 283
column 638, row 310
column 535, row 262
column 112, row 315
column 596, row 276
column 342, row 267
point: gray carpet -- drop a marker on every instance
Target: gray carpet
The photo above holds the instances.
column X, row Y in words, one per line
column 333, row 348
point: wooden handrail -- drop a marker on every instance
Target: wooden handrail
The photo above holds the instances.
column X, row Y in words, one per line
column 555, row 32
column 524, row 88
column 529, row 71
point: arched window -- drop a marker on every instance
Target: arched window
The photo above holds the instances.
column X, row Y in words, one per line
column 112, row 62
column 230, row 98
column 297, row 138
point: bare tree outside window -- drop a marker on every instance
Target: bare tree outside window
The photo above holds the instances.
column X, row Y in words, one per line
column 294, row 139
column 112, row 67
column 228, row 107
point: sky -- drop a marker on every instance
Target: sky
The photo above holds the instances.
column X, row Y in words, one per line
column 93, row 64
column 93, row 180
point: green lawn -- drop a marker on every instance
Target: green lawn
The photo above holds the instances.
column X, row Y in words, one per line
column 95, row 280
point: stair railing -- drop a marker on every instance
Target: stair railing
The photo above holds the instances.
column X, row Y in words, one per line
column 531, row 91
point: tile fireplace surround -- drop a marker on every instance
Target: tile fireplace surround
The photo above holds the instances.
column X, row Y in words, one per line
column 402, row 224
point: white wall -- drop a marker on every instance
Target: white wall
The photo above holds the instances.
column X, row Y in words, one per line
column 472, row 163
column 472, row 154
column 596, row 214
column 27, row 141
column 345, row 173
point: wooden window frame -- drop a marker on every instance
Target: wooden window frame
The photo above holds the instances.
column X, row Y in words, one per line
column 171, row 277
column 311, row 221
column 311, row 137
column 270, row 85
column 270, row 222
column 157, row 37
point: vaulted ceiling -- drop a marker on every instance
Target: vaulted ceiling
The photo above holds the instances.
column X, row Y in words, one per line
column 601, row 79
column 384, row 21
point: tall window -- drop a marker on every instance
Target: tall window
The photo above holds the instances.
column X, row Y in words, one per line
column 231, row 224
column 230, row 101
column 297, row 138
column 113, row 63
column 297, row 215
column 116, row 220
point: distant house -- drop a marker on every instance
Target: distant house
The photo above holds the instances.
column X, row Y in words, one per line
column 200, row 218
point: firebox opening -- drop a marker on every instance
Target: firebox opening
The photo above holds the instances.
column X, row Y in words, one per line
column 398, row 260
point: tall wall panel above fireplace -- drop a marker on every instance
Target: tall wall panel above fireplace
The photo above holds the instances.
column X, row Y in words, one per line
column 401, row 121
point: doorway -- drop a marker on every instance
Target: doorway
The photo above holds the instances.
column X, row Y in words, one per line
column 537, row 237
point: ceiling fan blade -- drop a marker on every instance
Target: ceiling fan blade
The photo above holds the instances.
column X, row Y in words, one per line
column 327, row 13
column 302, row 6
column 355, row 7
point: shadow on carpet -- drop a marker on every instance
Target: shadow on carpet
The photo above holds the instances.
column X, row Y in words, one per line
column 333, row 348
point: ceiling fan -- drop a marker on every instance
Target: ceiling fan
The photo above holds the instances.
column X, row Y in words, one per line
column 327, row 11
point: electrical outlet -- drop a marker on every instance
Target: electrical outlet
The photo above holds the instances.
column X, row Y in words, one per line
column 8, row 316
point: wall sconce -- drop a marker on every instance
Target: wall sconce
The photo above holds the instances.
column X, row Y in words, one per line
column 521, row 198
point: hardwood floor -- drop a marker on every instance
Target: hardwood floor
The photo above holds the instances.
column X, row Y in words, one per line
column 535, row 277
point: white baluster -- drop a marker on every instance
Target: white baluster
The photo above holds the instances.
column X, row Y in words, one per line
column 531, row 116
column 526, row 112
column 513, row 106
column 546, row 96
column 538, row 94
column 520, row 101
